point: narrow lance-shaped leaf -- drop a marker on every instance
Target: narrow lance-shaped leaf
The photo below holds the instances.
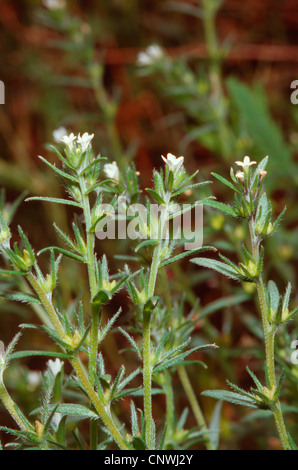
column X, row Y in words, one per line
column 55, row 200
column 217, row 266
column 230, row 397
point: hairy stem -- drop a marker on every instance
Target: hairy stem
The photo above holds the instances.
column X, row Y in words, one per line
column 78, row 367
column 147, row 367
column 100, row 408
column 48, row 306
column 269, row 336
column 11, row 407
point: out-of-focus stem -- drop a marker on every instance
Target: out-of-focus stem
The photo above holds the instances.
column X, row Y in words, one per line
column 183, row 376
column 196, row 409
column 210, row 8
column 170, row 405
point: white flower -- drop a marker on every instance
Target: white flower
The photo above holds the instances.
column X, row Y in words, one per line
column 33, row 379
column 262, row 173
column 246, row 163
column 56, row 420
column 69, row 140
column 174, row 163
column 85, row 140
column 55, row 366
column 152, row 54
column 54, row 4
column 240, row 175
column 111, row 171
column 59, row 133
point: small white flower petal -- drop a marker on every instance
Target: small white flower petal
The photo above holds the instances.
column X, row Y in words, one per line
column 246, row 163
column 151, row 55
column 85, row 140
column 55, row 366
column 173, row 163
column 58, row 134
column 56, row 420
column 34, row 378
column 240, row 175
column 69, row 140
column 111, row 170
column 54, row 4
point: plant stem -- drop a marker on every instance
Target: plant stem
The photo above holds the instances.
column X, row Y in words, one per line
column 170, row 405
column 196, row 409
column 210, row 8
column 12, row 409
column 183, row 376
column 147, row 380
column 93, row 349
column 78, row 367
column 269, row 336
column 147, row 367
column 47, row 304
column 100, row 408
column 90, row 239
column 95, row 315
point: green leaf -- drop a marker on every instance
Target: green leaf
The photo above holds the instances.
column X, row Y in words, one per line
column 217, row 266
column 176, row 361
column 132, row 342
column 67, row 202
column 156, row 196
column 225, row 302
column 226, row 182
column 70, row 409
column 138, row 443
column 21, row 297
column 59, row 172
column 145, row 244
column 187, row 253
column 67, row 253
column 225, row 208
column 274, row 295
column 230, row 397
column 190, row 187
column 102, row 297
column 293, row 446
column 22, row 354
column 214, row 428
column 6, row 272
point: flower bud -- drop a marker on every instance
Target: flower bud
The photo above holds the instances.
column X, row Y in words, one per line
column 39, row 427
column 48, row 285
column 285, row 315
column 4, row 237
column 270, row 394
column 264, row 231
column 251, row 268
column 27, row 259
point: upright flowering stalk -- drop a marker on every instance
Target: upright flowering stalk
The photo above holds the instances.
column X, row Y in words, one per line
column 168, row 185
column 80, row 172
column 252, row 204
